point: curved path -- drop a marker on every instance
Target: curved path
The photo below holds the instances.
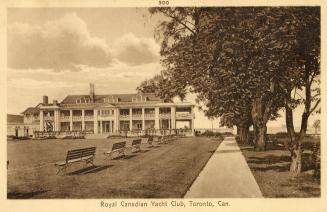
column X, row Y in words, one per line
column 226, row 175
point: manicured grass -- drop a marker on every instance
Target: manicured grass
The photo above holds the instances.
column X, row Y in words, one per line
column 161, row 172
column 271, row 171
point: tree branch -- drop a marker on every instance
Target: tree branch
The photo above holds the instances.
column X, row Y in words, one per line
column 314, row 107
column 312, row 77
column 316, row 95
column 179, row 21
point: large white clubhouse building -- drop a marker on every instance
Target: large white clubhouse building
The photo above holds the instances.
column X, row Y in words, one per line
column 110, row 113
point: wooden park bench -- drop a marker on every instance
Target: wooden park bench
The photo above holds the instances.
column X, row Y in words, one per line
column 77, row 155
column 159, row 140
column 136, row 144
column 118, row 149
column 163, row 139
column 150, row 141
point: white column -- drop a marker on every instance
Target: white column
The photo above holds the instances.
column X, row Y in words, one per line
column 56, row 120
column 83, row 119
column 101, row 128
column 156, row 118
column 116, row 121
column 41, row 121
column 59, row 123
column 173, row 117
column 192, row 120
column 71, row 120
column 130, row 119
column 110, row 126
column 143, row 119
column 95, row 121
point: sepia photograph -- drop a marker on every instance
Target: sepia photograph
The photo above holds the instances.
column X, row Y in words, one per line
column 163, row 103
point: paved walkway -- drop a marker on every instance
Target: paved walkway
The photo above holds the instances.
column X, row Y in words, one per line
column 226, row 175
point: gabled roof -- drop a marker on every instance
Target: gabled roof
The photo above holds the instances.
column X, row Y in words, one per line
column 31, row 111
column 71, row 99
column 15, row 118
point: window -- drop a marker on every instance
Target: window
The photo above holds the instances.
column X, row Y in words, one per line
column 139, row 125
column 104, row 112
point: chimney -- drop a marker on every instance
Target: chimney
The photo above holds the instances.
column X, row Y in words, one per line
column 45, row 100
column 92, row 92
column 55, row 102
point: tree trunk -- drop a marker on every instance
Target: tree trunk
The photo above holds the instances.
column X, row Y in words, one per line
column 296, row 165
column 243, row 134
column 260, row 143
column 259, row 119
column 295, row 142
column 255, row 135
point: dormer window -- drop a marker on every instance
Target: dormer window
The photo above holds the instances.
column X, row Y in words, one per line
column 83, row 100
column 110, row 99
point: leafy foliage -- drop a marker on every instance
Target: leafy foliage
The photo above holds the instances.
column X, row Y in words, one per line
column 243, row 63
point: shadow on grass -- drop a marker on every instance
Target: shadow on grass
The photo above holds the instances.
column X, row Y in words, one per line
column 246, row 148
column 28, row 195
column 275, row 146
column 88, row 170
column 125, row 157
column 269, row 159
column 283, row 168
column 307, row 163
column 129, row 157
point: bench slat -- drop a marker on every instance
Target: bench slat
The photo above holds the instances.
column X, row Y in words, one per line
column 119, row 145
column 80, row 153
column 82, row 150
column 136, row 142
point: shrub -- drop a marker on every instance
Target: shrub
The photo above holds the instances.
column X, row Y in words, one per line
column 209, row 133
column 197, row 133
column 225, row 134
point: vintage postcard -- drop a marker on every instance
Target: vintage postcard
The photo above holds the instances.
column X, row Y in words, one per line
column 163, row 105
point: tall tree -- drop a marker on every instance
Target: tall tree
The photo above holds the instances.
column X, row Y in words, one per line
column 305, row 77
column 228, row 55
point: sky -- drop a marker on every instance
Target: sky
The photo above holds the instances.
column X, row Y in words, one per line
column 59, row 51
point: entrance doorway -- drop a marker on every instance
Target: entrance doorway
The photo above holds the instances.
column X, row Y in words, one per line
column 106, row 126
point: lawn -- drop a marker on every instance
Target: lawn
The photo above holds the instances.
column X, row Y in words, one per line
column 160, row 172
column 271, row 171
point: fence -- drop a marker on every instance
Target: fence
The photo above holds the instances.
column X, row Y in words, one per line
column 55, row 134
